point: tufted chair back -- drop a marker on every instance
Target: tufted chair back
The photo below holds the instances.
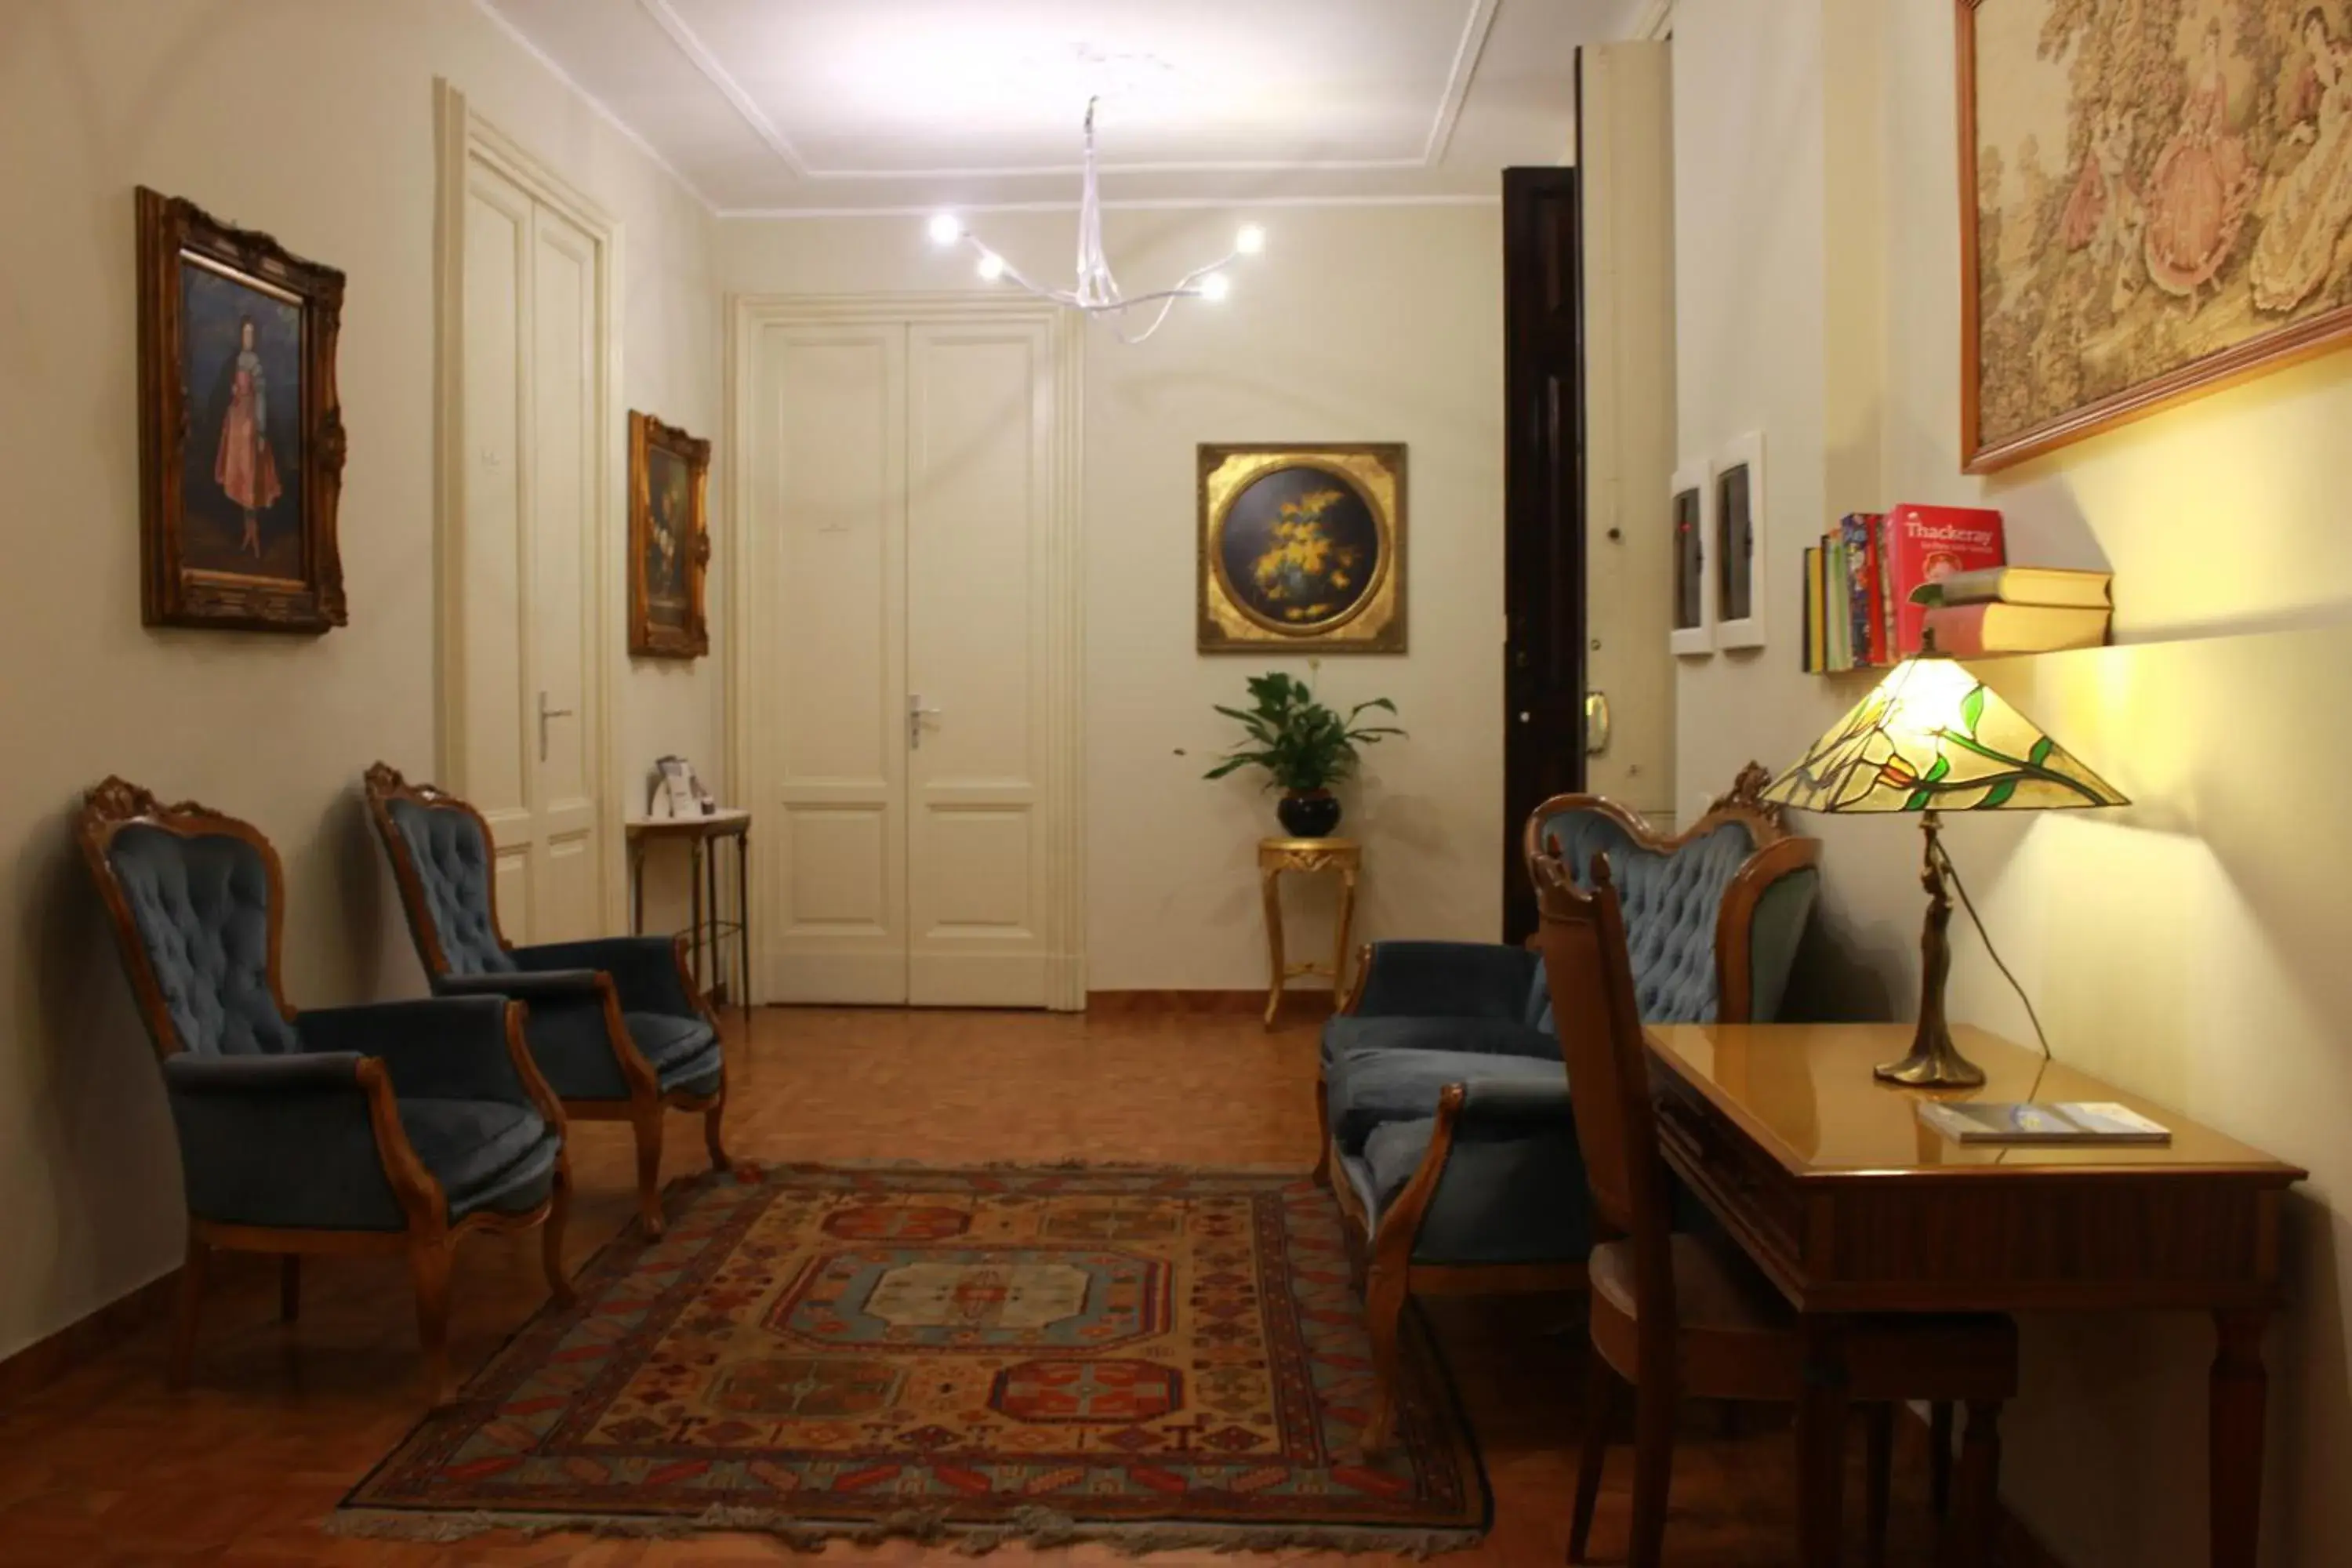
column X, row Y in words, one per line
column 440, row 853
column 194, row 898
column 1676, row 894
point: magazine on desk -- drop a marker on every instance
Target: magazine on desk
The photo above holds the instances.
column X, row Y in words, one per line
column 2041, row 1122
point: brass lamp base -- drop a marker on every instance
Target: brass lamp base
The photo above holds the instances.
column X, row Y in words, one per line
column 1934, row 1062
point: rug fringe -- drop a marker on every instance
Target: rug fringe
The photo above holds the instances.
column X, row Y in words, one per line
column 1034, row 1526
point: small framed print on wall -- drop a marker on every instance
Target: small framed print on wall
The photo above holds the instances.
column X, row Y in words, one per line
column 1737, row 483
column 1691, row 511
column 669, row 540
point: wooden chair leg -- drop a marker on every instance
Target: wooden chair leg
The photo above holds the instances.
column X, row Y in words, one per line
column 1603, row 1394
column 1979, row 1501
column 428, row 1265
column 648, row 1123
column 550, row 1238
column 289, row 1287
column 1655, row 1401
column 1385, row 1292
column 191, row 1303
column 1939, row 1457
column 1878, row 1477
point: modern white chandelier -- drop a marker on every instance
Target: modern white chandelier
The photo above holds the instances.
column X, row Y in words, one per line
column 1097, row 292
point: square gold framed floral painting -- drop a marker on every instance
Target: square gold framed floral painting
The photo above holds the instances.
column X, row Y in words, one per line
column 2159, row 199
column 240, row 430
column 1302, row 546
column 669, row 540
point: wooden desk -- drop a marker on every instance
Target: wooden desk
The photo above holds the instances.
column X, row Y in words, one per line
column 701, row 836
column 1826, row 1178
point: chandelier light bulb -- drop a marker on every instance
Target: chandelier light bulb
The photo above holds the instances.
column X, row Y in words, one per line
column 1215, row 287
column 1250, row 240
column 992, row 265
column 946, row 229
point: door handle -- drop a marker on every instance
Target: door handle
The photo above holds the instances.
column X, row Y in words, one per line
column 916, row 713
column 1596, row 723
column 545, row 713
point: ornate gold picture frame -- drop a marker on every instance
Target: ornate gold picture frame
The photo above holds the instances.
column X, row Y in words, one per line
column 669, row 540
column 1302, row 545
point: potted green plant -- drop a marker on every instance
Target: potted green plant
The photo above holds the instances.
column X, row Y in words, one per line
column 1303, row 746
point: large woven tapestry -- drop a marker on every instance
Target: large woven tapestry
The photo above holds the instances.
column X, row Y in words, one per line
column 1159, row 1358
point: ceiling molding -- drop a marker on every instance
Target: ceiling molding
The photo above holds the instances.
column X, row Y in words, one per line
column 1166, row 203
column 601, row 109
column 698, row 55
column 1477, row 26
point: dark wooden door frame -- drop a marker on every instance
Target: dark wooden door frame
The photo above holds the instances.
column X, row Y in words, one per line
column 1543, row 547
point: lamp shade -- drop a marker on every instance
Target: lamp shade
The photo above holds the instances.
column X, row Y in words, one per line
column 1932, row 737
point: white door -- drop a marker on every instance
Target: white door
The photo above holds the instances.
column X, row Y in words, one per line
column 1626, row 164
column 980, row 426
column 528, row 746
column 899, row 499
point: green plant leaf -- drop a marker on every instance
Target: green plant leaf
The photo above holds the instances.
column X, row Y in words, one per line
column 1943, row 766
column 1996, row 796
column 1920, row 799
column 2041, row 753
column 1972, row 709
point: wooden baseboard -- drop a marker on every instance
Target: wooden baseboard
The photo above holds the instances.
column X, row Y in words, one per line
column 1133, row 1002
column 45, row 1360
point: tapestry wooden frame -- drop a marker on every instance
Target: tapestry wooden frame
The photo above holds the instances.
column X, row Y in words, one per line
column 429, row 1240
column 2226, row 367
column 648, row 637
column 172, row 592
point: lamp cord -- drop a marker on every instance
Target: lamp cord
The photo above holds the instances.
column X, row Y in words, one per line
column 1944, row 859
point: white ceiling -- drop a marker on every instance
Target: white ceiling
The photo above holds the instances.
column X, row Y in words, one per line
column 859, row 105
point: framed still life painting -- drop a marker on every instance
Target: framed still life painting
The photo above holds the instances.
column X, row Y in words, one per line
column 240, row 432
column 2158, row 201
column 669, row 540
column 1302, row 545
column 1691, row 515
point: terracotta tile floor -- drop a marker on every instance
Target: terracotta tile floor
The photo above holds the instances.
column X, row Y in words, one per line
column 106, row 1466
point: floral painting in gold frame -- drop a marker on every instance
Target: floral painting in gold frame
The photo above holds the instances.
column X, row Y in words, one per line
column 669, row 540
column 1302, row 546
column 2158, row 201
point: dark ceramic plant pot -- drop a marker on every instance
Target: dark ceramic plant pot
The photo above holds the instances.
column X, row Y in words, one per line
column 1308, row 814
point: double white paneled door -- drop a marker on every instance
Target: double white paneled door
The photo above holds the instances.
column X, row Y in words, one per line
column 899, row 700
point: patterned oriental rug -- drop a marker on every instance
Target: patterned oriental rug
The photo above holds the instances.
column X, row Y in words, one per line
column 1153, row 1358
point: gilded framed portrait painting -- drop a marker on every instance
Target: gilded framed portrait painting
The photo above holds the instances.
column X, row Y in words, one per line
column 1302, row 546
column 240, row 432
column 669, row 540
column 2157, row 196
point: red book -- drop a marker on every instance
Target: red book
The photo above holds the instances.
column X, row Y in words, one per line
column 1931, row 543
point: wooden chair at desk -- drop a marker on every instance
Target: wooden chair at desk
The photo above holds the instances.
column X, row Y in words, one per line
column 1677, row 1314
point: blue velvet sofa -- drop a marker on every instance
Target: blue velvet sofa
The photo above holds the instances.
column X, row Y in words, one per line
column 1442, row 1096
column 396, row 1127
column 615, row 1024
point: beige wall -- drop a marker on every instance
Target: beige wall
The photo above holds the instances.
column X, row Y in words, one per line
column 2189, row 947
column 1358, row 324
column 313, row 121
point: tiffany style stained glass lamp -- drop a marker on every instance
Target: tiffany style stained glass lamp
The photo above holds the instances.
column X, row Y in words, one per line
column 1932, row 738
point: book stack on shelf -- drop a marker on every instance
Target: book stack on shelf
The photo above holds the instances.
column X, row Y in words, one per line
column 2018, row 609
column 1859, row 581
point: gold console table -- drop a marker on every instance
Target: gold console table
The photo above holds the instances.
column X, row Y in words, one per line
column 1276, row 855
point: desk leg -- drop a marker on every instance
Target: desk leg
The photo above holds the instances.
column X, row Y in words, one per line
column 1820, row 1445
column 2234, row 1435
column 1270, row 888
column 744, row 916
column 1339, row 952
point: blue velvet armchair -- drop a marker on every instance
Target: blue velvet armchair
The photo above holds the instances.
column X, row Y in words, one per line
column 396, row 1127
column 1442, row 1096
column 616, row 1023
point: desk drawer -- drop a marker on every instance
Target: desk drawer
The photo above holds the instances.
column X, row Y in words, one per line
column 1744, row 1185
